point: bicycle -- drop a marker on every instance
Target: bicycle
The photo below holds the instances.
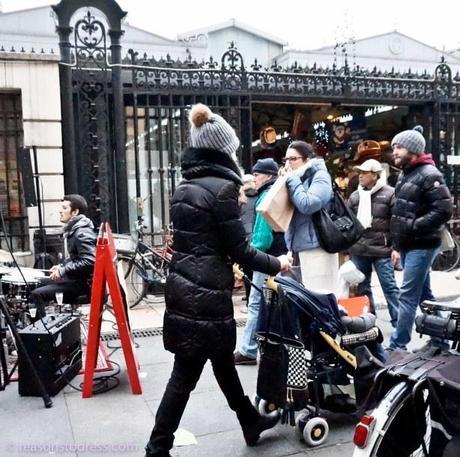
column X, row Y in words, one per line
column 145, row 268
column 449, row 256
column 418, row 416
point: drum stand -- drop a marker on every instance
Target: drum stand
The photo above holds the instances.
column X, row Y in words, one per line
column 3, row 365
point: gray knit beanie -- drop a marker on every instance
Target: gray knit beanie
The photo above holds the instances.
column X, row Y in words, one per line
column 412, row 140
column 209, row 130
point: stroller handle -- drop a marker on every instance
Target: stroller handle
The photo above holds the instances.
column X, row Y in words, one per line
column 271, row 284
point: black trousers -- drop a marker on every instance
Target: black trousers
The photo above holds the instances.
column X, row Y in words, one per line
column 184, row 377
column 43, row 295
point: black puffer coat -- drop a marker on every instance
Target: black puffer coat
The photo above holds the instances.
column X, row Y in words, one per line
column 422, row 205
column 375, row 241
column 248, row 212
column 208, row 237
column 80, row 239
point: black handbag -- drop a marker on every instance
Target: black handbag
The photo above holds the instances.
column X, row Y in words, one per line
column 336, row 226
column 276, row 335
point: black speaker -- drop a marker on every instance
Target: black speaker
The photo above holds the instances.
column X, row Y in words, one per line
column 25, row 168
column 55, row 349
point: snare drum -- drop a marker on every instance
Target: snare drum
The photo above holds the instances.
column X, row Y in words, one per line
column 13, row 284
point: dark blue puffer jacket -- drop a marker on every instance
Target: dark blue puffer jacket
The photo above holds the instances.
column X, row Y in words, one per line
column 422, row 206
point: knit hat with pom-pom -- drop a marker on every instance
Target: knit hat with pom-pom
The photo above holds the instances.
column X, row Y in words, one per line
column 412, row 140
column 211, row 131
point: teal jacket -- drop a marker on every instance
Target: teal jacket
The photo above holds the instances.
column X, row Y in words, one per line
column 262, row 234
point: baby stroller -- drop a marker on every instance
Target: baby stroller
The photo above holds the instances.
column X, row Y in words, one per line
column 306, row 356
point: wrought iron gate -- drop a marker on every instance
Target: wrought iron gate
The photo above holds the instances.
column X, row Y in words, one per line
column 157, row 133
column 92, row 107
column 128, row 120
column 446, row 130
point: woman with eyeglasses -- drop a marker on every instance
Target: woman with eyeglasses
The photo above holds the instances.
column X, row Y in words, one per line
column 310, row 189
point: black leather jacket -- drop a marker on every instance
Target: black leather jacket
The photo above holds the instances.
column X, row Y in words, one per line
column 81, row 249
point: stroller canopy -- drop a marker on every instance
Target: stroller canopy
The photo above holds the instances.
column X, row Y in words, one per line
column 321, row 307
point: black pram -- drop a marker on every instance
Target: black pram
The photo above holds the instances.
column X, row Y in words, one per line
column 306, row 359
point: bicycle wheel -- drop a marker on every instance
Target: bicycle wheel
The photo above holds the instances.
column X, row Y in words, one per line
column 159, row 261
column 137, row 280
column 403, row 425
column 448, row 260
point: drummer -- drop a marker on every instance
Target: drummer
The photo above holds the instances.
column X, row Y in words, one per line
column 73, row 276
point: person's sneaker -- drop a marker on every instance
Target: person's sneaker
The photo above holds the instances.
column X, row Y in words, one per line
column 241, row 359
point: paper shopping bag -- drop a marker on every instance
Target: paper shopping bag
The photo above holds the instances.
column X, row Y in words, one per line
column 276, row 207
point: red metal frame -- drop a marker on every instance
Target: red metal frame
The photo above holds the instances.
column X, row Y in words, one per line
column 105, row 274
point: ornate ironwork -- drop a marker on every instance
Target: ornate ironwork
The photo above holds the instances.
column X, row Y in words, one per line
column 296, row 81
column 91, row 83
column 92, row 106
column 170, row 86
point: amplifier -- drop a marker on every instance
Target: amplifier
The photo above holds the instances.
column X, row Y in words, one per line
column 55, row 349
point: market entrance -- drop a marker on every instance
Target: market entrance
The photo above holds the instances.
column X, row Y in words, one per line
column 336, row 130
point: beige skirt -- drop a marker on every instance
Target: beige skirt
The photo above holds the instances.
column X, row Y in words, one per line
column 320, row 270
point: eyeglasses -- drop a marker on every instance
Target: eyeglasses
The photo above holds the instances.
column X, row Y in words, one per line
column 291, row 159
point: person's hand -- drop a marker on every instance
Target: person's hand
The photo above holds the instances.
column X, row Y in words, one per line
column 395, row 257
column 284, row 170
column 285, row 261
column 237, row 272
column 54, row 273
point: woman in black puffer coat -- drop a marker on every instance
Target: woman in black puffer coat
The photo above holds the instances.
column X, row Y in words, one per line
column 208, row 238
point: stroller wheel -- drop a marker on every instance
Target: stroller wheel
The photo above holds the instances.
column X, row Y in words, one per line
column 267, row 409
column 315, row 431
column 301, row 420
column 255, row 400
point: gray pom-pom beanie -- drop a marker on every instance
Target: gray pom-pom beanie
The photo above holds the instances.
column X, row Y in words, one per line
column 412, row 140
column 209, row 130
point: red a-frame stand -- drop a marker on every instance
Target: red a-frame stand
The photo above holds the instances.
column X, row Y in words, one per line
column 105, row 273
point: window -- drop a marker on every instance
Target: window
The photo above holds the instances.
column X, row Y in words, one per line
column 11, row 194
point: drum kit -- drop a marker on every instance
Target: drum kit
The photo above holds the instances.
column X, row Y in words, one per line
column 16, row 286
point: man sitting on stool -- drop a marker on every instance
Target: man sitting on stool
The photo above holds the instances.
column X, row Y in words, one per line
column 73, row 276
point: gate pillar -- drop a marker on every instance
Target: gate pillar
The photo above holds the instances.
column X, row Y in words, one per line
column 92, row 108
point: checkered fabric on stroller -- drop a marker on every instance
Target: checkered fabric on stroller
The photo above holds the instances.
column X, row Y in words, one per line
column 282, row 368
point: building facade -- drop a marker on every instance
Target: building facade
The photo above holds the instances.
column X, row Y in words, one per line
column 30, row 117
column 111, row 120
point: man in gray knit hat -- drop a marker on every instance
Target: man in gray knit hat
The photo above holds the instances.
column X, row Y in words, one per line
column 422, row 206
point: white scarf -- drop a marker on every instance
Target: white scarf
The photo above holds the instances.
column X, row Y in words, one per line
column 365, row 206
column 302, row 169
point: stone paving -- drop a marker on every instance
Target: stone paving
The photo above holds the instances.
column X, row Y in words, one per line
column 119, row 423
